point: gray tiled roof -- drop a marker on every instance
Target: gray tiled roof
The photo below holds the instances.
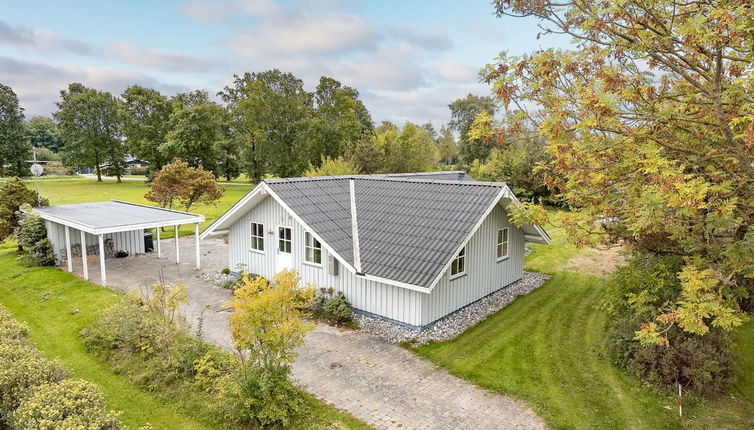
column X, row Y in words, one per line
column 409, row 226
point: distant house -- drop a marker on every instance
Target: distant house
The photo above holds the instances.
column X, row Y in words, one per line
column 412, row 248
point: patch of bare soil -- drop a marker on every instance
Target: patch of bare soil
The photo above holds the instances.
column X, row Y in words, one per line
column 598, row 262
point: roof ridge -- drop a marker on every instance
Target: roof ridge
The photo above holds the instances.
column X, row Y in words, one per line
column 386, row 179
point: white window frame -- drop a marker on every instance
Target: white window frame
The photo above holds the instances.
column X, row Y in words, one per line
column 308, row 237
column 282, row 239
column 459, row 260
column 502, row 241
column 255, row 239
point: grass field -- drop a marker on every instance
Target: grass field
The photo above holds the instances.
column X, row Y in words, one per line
column 55, row 332
column 88, row 190
column 545, row 349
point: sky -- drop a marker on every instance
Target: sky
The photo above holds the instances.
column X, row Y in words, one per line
column 408, row 59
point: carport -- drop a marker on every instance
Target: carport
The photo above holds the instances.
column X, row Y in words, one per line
column 116, row 222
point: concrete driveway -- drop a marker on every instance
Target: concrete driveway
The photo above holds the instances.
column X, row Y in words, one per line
column 380, row 383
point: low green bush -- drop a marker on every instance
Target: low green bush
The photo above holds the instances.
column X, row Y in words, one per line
column 35, row 393
column 332, row 308
column 70, row 404
column 264, row 397
column 636, row 292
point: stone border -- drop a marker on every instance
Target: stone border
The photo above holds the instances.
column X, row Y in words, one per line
column 456, row 323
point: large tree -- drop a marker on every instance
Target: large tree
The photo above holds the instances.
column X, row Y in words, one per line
column 649, row 121
column 146, row 123
column 410, row 149
column 14, row 146
column 339, row 121
column 90, row 125
column 197, row 126
column 271, row 115
column 462, row 114
column 44, row 132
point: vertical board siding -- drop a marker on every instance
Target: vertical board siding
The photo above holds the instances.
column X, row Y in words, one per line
column 484, row 274
column 388, row 301
column 132, row 241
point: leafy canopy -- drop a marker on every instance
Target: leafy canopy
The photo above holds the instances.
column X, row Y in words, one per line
column 177, row 181
column 267, row 319
column 648, row 120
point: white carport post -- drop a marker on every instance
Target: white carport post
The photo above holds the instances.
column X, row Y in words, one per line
column 196, row 236
column 159, row 250
column 83, row 255
column 68, row 248
column 102, row 259
column 177, row 251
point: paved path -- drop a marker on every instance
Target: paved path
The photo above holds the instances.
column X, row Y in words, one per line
column 380, row 383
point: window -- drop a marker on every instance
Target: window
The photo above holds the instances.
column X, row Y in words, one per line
column 312, row 249
column 458, row 266
column 257, row 236
column 284, row 239
column 502, row 243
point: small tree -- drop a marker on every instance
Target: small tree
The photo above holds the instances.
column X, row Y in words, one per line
column 267, row 320
column 31, row 236
column 13, row 194
column 333, row 167
column 188, row 185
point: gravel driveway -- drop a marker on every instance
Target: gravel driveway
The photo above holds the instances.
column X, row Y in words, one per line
column 378, row 382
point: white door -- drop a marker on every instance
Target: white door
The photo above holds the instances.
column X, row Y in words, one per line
column 284, row 255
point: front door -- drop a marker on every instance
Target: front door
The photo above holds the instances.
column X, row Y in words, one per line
column 284, row 257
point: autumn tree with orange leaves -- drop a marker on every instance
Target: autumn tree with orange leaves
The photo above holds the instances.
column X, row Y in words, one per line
column 649, row 122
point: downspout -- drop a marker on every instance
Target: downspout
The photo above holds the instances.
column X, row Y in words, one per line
column 355, row 230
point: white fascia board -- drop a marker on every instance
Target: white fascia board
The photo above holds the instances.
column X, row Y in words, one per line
column 504, row 192
column 394, row 283
column 146, row 225
column 230, row 212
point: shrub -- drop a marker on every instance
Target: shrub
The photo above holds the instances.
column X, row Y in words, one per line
column 31, row 236
column 57, row 168
column 23, row 369
column 636, row 292
column 332, row 308
column 12, row 330
column 264, row 397
column 70, row 404
column 225, row 271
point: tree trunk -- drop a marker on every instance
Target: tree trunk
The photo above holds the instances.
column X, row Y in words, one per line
column 118, row 178
column 96, row 161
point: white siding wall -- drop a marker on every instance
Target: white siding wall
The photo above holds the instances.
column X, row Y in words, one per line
column 484, row 274
column 131, row 241
column 388, row 301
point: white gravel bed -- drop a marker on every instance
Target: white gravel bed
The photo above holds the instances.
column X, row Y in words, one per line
column 217, row 279
column 455, row 323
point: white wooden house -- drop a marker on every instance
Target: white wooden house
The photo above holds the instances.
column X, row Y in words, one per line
column 412, row 248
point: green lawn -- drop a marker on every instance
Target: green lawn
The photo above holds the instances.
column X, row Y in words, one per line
column 89, row 190
column 55, row 332
column 545, row 349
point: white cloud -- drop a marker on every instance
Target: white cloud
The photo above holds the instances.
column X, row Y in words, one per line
column 305, row 34
column 434, row 39
column 456, row 71
column 163, row 61
column 38, row 85
column 42, row 40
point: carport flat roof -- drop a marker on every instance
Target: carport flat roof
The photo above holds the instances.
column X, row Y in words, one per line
column 114, row 216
